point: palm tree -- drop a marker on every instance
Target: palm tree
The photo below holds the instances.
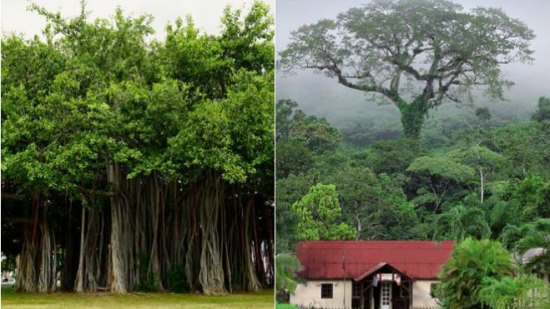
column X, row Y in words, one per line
column 461, row 222
column 286, row 264
column 472, row 262
column 526, row 291
column 534, row 247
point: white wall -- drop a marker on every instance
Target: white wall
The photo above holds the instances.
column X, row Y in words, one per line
column 421, row 294
column 309, row 294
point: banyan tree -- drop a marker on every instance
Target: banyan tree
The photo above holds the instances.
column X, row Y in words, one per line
column 137, row 164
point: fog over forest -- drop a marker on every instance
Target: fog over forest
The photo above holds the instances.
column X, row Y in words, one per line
column 344, row 108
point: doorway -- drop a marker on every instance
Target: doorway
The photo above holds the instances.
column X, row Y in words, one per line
column 385, row 295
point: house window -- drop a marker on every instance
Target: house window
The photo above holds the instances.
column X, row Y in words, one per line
column 326, row 290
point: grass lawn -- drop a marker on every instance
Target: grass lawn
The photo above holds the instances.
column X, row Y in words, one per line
column 11, row 299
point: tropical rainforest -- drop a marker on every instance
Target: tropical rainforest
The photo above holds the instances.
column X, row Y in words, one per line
column 464, row 174
column 485, row 182
column 139, row 164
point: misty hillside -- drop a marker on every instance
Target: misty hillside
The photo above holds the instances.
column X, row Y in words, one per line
column 363, row 119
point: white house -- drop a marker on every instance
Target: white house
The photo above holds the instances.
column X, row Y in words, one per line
column 369, row 274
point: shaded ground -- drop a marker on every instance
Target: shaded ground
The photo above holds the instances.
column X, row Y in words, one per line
column 10, row 299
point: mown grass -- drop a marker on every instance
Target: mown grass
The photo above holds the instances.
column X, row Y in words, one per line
column 11, row 299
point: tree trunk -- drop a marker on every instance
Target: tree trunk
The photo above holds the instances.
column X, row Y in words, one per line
column 79, row 285
column 119, row 270
column 412, row 117
column 26, row 277
column 252, row 283
column 37, row 271
column 153, row 269
column 47, row 280
column 209, row 230
column 119, row 257
column 481, row 185
column 211, row 274
column 70, row 265
column 359, row 226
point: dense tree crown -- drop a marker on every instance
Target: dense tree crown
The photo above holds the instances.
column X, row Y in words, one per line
column 415, row 54
column 143, row 164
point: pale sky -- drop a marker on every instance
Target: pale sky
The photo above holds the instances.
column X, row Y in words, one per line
column 206, row 13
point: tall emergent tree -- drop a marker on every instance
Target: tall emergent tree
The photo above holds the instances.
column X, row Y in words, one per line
column 414, row 53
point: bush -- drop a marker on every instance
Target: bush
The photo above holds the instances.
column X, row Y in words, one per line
column 472, row 263
column 145, row 283
column 177, row 279
column 515, row 292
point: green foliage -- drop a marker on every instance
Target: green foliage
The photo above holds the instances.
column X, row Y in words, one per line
column 8, row 263
column 531, row 235
column 319, row 215
column 397, row 189
column 412, row 116
column 441, row 167
column 293, row 157
column 477, row 155
column 146, row 282
column 436, row 178
column 471, row 264
column 532, row 194
column 375, row 204
column 543, row 110
column 247, row 41
column 285, row 109
column 460, row 222
column 286, row 266
column 233, row 136
column 59, row 127
column 526, row 147
column 177, row 279
column 317, row 134
column 140, row 116
column 289, row 190
column 518, row 202
column 515, row 292
column 392, row 157
column 483, row 114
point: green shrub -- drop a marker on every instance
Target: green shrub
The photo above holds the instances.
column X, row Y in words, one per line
column 145, row 283
column 472, row 263
column 177, row 279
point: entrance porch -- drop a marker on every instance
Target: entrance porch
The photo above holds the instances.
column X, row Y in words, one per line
column 382, row 287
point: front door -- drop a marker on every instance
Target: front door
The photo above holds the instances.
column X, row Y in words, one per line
column 385, row 295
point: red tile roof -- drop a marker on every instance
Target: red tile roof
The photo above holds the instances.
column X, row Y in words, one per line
column 351, row 259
